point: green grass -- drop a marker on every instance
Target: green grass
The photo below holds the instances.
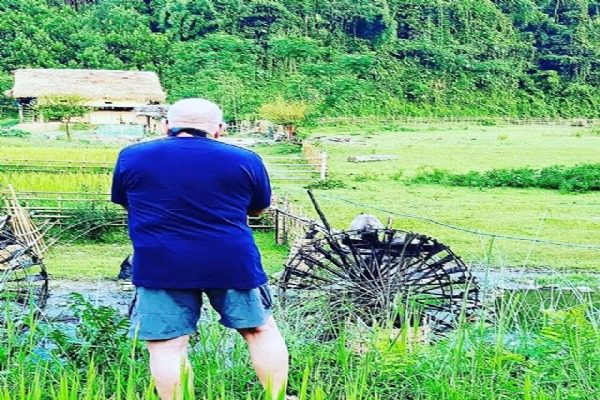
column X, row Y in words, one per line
column 56, row 182
column 545, row 215
column 524, row 351
column 460, row 149
column 38, row 147
column 532, row 348
column 531, row 213
column 8, row 122
column 91, row 261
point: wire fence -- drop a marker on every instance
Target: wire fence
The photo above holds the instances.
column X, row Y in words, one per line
column 462, row 229
column 500, row 121
column 291, row 223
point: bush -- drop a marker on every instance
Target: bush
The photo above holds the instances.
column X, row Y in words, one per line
column 99, row 335
column 326, row 184
column 365, row 177
column 14, row 133
column 580, row 178
column 93, row 221
column 287, row 148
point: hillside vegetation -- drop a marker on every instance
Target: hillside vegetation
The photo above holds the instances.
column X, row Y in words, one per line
column 344, row 57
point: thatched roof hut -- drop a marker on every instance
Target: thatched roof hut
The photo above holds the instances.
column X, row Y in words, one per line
column 102, row 87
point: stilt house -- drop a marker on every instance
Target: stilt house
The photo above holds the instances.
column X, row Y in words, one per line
column 112, row 95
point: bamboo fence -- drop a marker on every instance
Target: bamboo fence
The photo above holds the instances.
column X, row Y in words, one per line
column 22, row 225
column 284, row 168
column 289, row 221
column 316, row 158
column 61, row 207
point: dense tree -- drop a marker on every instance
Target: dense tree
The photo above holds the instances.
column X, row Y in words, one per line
column 355, row 57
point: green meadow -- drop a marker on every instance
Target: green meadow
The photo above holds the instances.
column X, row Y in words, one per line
column 532, row 346
column 475, row 222
column 493, row 227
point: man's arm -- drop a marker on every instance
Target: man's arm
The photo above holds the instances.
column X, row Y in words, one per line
column 118, row 193
column 261, row 196
column 256, row 213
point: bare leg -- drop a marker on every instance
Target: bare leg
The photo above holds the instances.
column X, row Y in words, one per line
column 167, row 359
column 269, row 356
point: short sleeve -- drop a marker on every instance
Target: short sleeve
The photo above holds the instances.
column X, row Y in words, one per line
column 118, row 193
column 261, row 195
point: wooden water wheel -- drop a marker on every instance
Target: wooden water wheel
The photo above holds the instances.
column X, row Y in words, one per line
column 379, row 275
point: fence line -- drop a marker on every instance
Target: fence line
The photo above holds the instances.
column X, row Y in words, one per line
column 408, row 120
column 280, row 168
column 461, row 229
column 61, row 207
column 289, row 224
column 315, row 157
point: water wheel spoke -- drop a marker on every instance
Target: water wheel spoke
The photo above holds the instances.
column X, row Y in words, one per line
column 367, row 275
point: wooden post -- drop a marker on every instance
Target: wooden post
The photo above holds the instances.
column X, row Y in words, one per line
column 323, row 165
column 59, row 204
column 276, row 221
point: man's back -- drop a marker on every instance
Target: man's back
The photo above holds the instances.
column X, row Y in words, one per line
column 188, row 199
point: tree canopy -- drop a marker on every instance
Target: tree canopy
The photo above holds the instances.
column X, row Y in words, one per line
column 378, row 57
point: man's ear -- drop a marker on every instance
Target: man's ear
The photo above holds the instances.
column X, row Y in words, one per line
column 165, row 125
column 219, row 131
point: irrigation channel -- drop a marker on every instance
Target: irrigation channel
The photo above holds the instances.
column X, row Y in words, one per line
column 520, row 287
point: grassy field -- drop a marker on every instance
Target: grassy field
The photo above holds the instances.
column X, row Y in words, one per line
column 459, row 149
column 473, row 221
column 37, row 147
column 381, row 188
column 533, row 349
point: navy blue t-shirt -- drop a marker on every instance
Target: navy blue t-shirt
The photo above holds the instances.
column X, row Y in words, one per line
column 187, row 200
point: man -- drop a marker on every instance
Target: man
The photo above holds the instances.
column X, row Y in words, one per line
column 188, row 197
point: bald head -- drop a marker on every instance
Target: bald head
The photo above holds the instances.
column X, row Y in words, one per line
column 199, row 114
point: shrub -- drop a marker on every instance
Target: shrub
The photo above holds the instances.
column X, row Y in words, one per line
column 287, row 148
column 580, row 178
column 397, row 176
column 99, row 335
column 92, row 220
column 14, row 133
column 365, row 177
column 326, row 184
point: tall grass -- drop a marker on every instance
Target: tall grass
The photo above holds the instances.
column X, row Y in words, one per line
column 41, row 149
column 56, row 182
column 548, row 352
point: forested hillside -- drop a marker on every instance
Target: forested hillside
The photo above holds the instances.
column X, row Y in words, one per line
column 344, row 57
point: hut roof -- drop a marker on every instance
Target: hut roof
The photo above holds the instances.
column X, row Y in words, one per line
column 135, row 87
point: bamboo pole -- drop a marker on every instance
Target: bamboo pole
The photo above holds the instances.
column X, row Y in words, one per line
column 22, row 225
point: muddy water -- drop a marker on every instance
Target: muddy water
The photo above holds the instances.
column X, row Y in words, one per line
column 100, row 293
column 115, row 294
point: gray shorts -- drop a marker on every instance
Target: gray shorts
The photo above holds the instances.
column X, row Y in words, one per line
column 161, row 314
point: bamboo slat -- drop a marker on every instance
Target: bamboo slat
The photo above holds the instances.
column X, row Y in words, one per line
column 22, row 225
